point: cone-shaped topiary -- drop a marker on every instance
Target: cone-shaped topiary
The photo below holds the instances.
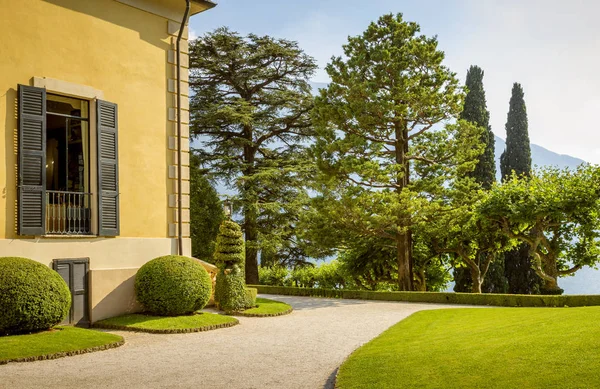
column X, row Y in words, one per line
column 230, row 245
column 173, row 285
column 230, row 291
column 33, row 297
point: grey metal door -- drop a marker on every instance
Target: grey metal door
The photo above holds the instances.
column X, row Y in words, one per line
column 75, row 273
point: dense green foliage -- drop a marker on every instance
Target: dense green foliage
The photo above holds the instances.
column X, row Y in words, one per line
column 61, row 341
column 481, row 348
column 380, row 158
column 517, row 158
column 390, row 170
column 172, row 285
column 230, row 290
column 250, row 112
column 149, row 323
column 326, row 275
column 206, row 213
column 501, row 300
column 33, row 297
column 475, row 111
column 557, row 213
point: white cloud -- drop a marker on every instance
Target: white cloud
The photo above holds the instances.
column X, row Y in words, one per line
column 192, row 34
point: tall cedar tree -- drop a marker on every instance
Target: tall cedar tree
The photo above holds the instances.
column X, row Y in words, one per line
column 206, row 213
column 475, row 111
column 376, row 144
column 250, row 112
column 522, row 278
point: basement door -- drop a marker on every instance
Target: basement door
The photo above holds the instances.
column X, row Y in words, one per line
column 75, row 273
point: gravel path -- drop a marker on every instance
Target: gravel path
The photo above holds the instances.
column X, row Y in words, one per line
column 300, row 350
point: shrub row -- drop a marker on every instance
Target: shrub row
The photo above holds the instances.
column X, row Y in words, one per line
column 501, row 300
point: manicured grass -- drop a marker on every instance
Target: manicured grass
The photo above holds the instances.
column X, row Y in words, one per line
column 201, row 321
column 266, row 307
column 61, row 341
column 482, row 348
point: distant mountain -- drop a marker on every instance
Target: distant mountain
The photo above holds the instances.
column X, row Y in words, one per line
column 539, row 157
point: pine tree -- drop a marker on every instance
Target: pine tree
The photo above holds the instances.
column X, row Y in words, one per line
column 250, row 113
column 377, row 144
column 475, row 111
column 522, row 279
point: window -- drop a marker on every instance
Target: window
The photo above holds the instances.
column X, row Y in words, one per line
column 68, row 197
column 56, row 196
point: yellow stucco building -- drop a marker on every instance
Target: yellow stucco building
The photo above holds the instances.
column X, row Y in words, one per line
column 89, row 160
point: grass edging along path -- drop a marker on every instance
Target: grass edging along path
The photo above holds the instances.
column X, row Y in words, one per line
column 267, row 308
column 481, row 348
column 56, row 343
column 139, row 322
column 501, row 300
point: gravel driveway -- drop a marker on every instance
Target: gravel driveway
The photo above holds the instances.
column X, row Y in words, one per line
column 300, row 350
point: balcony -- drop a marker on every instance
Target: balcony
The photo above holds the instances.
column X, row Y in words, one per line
column 68, row 213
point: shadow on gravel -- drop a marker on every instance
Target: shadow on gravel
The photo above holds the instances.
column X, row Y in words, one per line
column 305, row 303
column 330, row 384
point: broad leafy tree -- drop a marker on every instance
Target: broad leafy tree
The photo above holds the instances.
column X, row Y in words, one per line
column 522, row 279
column 474, row 241
column 381, row 144
column 250, row 115
column 557, row 213
column 475, row 111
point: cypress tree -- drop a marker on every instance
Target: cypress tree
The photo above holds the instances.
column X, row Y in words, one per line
column 517, row 157
column 475, row 111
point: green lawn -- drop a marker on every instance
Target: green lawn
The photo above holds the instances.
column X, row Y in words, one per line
column 482, row 348
column 61, row 340
column 200, row 321
column 266, row 307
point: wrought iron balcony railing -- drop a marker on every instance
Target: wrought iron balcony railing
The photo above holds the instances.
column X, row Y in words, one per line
column 68, row 213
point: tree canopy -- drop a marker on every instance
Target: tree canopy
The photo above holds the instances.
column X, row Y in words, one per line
column 250, row 114
column 381, row 143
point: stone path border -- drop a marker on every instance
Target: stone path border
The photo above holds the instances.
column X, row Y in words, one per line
column 63, row 354
column 302, row 350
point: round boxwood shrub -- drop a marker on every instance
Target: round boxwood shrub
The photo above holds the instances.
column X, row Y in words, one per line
column 33, row 297
column 173, row 285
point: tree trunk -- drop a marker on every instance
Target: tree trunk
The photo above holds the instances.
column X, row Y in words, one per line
column 477, row 281
column 551, row 270
column 403, row 240
column 404, row 274
column 250, row 213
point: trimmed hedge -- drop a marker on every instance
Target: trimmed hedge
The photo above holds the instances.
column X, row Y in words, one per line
column 173, row 285
column 33, row 297
column 251, row 297
column 501, row 300
column 231, row 294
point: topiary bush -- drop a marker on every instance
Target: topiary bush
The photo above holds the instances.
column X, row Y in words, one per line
column 230, row 290
column 173, row 285
column 33, row 297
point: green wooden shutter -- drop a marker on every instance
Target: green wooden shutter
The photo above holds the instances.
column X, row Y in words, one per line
column 108, row 169
column 32, row 161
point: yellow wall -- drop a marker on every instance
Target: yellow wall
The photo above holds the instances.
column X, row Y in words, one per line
column 111, row 47
column 122, row 54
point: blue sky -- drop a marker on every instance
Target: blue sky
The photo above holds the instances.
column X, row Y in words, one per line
column 552, row 47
